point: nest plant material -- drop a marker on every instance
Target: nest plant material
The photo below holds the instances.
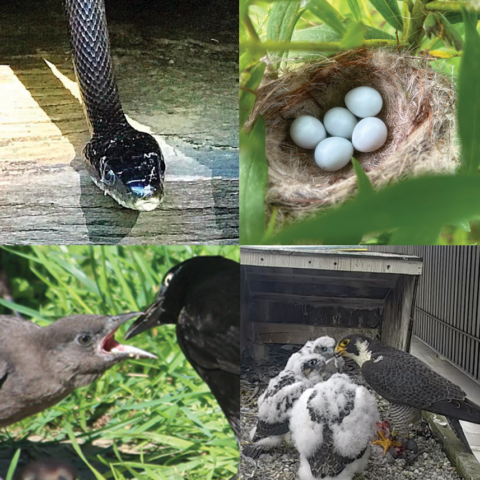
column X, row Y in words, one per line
column 418, row 109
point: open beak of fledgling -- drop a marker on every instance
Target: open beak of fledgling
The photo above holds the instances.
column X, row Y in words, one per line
column 109, row 346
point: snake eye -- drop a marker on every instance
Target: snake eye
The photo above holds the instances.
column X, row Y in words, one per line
column 168, row 279
column 84, row 339
column 109, row 178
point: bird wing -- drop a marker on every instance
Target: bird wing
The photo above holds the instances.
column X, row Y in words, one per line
column 266, row 429
column 399, row 377
column 209, row 342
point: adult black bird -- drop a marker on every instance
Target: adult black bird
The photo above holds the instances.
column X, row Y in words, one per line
column 39, row 366
column 201, row 296
column 409, row 385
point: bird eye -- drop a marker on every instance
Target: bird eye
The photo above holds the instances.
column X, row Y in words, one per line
column 109, row 178
column 84, row 339
column 313, row 363
column 168, row 279
column 323, row 349
column 345, row 342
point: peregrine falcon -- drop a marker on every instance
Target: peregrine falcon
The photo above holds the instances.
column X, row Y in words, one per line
column 331, row 426
column 409, row 385
column 324, row 346
column 275, row 404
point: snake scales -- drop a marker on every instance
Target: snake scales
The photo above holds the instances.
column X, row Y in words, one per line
column 125, row 163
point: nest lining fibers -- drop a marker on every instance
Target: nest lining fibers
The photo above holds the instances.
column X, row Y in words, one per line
column 418, row 109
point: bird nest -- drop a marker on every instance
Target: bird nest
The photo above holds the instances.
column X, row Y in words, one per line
column 418, row 109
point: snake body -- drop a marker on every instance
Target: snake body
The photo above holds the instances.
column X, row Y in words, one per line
column 125, row 163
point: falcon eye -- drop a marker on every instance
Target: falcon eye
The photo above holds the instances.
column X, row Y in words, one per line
column 345, row 342
column 323, row 349
column 84, row 339
column 312, row 363
column 168, row 279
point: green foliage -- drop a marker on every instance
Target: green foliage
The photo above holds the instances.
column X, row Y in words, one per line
column 469, row 98
column 419, row 204
column 253, row 179
column 146, row 419
column 328, row 26
column 390, row 12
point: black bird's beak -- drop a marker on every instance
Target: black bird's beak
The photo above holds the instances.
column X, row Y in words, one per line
column 150, row 318
column 109, row 345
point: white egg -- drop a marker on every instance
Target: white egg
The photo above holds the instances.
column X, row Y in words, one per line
column 333, row 153
column 369, row 134
column 364, row 102
column 307, row 131
column 339, row 122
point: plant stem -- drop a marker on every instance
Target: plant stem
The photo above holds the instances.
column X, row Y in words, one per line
column 310, row 46
column 450, row 7
column 415, row 32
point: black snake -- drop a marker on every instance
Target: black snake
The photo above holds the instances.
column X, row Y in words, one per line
column 125, row 163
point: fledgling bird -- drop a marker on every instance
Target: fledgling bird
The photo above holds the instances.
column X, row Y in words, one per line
column 47, row 469
column 332, row 425
column 409, row 385
column 324, row 346
column 201, row 296
column 276, row 403
column 39, row 366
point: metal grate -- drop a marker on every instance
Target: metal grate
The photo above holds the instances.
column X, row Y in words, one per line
column 446, row 315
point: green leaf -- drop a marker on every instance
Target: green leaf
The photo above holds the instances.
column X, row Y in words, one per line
column 463, row 224
column 13, row 464
column 416, row 203
column 469, row 98
column 364, row 186
column 389, row 10
column 415, row 236
column 327, row 14
column 324, row 33
column 355, row 9
column 282, row 20
column 354, row 36
column 253, row 180
column 250, row 78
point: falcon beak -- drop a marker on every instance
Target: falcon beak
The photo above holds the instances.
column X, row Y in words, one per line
column 340, row 351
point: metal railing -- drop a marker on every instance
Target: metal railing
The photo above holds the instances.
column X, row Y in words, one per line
column 446, row 314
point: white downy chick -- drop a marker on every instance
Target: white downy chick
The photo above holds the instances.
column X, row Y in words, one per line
column 276, row 403
column 332, row 425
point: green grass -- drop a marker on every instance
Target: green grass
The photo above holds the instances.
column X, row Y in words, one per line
column 142, row 419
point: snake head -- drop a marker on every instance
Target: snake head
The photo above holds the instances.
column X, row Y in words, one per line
column 128, row 165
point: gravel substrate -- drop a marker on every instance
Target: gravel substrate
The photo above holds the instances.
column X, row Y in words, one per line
column 430, row 463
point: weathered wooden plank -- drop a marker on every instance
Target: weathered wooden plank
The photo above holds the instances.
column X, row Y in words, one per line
column 397, row 322
column 47, row 197
column 299, row 334
column 331, row 260
column 360, row 303
column 314, row 290
column 320, row 277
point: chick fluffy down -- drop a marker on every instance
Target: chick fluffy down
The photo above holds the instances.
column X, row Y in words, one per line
column 323, row 346
column 347, row 412
column 276, row 403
